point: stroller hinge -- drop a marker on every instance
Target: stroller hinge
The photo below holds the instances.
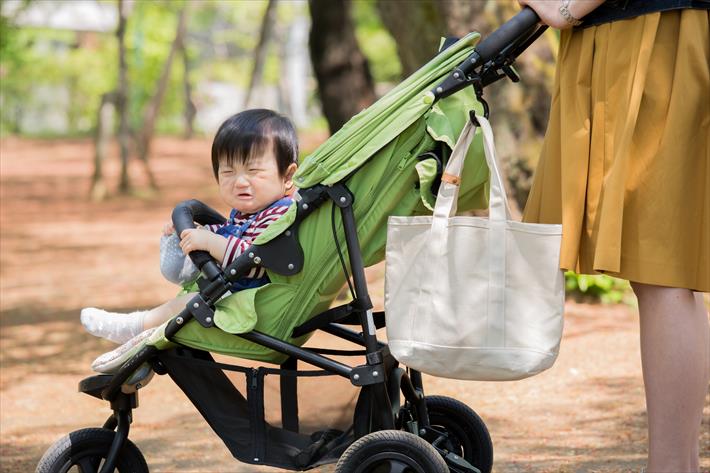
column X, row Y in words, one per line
column 366, row 375
column 201, row 311
column 340, row 195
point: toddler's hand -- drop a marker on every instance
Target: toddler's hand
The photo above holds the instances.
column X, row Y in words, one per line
column 168, row 229
column 194, row 239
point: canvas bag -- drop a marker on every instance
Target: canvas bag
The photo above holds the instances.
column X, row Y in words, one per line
column 473, row 297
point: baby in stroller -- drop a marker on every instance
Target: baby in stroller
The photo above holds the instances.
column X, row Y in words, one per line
column 254, row 158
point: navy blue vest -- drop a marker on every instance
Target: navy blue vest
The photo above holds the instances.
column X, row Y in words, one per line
column 613, row 10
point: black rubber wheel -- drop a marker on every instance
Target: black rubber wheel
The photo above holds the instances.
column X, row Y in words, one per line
column 391, row 451
column 468, row 436
column 83, row 451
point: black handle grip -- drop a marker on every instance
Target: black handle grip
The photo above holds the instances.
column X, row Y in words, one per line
column 506, row 33
column 184, row 216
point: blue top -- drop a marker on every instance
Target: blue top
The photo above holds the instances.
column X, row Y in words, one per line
column 613, row 10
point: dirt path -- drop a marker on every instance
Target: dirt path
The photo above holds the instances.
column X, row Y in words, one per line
column 59, row 253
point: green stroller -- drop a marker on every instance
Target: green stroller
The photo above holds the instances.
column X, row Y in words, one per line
column 386, row 161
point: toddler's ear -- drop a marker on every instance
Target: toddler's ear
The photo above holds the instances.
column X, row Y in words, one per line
column 288, row 175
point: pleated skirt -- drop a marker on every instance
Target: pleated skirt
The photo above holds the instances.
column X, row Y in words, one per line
column 625, row 165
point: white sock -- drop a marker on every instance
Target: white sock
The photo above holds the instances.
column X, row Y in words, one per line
column 114, row 326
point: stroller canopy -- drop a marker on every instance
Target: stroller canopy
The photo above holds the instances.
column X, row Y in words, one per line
column 367, row 132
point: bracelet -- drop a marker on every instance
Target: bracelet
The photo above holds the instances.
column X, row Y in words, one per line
column 569, row 18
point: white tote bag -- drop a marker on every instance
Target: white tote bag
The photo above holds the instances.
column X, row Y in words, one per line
column 471, row 297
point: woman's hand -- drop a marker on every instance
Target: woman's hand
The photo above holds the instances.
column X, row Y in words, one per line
column 549, row 10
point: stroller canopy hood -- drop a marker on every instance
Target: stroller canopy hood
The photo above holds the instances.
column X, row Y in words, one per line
column 374, row 127
column 371, row 130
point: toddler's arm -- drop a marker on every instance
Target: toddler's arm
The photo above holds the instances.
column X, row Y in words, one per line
column 195, row 239
column 227, row 248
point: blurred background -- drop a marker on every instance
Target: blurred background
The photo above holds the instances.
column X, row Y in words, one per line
column 118, row 73
column 107, row 111
column 132, row 70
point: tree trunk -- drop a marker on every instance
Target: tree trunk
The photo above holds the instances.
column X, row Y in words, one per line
column 267, row 28
column 284, row 80
column 109, row 100
column 190, row 109
column 518, row 111
column 296, row 65
column 345, row 84
column 416, row 27
column 122, row 97
column 151, row 112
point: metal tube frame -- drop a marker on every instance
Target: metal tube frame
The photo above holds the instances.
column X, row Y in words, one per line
column 123, row 424
column 370, row 374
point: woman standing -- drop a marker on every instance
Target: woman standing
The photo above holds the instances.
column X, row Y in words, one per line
column 625, row 168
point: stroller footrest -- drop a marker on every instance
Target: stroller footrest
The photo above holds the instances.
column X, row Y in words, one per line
column 93, row 385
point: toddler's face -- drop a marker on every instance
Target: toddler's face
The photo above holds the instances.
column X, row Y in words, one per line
column 254, row 185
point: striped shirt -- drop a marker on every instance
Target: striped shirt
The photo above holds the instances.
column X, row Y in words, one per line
column 240, row 230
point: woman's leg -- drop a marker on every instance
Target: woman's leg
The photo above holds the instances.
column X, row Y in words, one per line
column 120, row 328
column 675, row 355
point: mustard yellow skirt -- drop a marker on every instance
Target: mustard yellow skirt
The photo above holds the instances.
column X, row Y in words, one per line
column 625, row 165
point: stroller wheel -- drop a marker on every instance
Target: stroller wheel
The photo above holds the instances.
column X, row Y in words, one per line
column 467, row 435
column 83, row 451
column 390, row 451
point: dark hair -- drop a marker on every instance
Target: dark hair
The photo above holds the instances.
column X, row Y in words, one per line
column 248, row 133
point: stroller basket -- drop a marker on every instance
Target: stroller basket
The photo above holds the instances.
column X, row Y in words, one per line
column 239, row 419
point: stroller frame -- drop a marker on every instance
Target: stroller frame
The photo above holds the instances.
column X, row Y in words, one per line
column 381, row 379
column 379, row 374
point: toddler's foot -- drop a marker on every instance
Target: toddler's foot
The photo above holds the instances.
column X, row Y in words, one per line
column 114, row 326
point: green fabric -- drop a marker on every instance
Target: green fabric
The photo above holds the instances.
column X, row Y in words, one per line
column 365, row 133
column 382, row 143
column 426, row 172
column 275, row 229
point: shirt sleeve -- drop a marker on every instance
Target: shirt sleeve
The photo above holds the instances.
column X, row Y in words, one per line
column 236, row 246
column 213, row 228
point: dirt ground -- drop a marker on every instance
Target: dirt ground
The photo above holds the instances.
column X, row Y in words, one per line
column 60, row 252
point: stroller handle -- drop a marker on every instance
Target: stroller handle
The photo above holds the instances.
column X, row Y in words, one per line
column 508, row 32
column 494, row 55
column 184, row 216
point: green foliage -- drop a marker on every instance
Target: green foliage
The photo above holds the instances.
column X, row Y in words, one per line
column 597, row 288
column 85, row 66
column 36, row 58
column 230, row 31
column 150, row 32
column 63, row 73
column 376, row 43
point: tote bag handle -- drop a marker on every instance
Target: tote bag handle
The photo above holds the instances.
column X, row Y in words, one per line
column 447, row 197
